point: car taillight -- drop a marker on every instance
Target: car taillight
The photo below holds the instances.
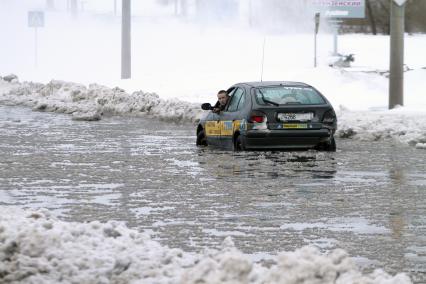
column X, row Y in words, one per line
column 329, row 117
column 257, row 118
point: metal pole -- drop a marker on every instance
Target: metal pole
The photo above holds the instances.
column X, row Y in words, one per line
column 125, row 40
column 335, row 38
column 250, row 13
column 317, row 22
column 335, row 34
column 35, row 48
column 115, row 7
column 263, row 59
column 396, row 77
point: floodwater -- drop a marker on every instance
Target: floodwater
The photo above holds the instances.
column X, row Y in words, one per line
column 367, row 198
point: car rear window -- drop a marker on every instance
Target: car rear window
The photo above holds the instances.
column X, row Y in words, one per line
column 284, row 95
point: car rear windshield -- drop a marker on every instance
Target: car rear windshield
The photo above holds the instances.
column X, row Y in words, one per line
column 285, row 95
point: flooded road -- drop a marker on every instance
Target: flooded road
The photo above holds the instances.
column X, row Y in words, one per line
column 367, row 198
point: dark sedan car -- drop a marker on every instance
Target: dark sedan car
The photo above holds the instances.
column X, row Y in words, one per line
column 270, row 115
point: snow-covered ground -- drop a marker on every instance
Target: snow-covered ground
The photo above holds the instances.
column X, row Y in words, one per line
column 37, row 248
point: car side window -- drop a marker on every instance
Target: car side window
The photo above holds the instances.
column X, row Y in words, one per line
column 231, row 91
column 242, row 102
column 235, row 99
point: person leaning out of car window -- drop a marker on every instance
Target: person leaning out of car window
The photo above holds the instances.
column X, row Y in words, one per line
column 222, row 99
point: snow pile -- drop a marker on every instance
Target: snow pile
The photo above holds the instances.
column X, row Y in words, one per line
column 90, row 103
column 305, row 265
column 37, row 248
column 401, row 124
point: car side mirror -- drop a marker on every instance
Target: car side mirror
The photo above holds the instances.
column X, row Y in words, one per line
column 206, row 106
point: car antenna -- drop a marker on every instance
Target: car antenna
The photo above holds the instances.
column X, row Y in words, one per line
column 263, row 58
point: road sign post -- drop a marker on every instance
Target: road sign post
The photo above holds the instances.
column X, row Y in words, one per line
column 35, row 48
column 35, row 20
column 396, row 77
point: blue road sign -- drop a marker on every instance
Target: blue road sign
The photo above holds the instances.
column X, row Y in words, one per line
column 35, row 19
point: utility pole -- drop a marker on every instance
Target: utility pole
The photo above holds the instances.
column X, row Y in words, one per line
column 317, row 22
column 126, row 64
column 396, row 77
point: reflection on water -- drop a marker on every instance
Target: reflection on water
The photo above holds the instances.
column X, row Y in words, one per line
column 367, row 198
column 267, row 165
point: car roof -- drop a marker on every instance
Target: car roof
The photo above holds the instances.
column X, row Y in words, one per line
column 274, row 83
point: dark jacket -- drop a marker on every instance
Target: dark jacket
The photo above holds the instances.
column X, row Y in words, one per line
column 219, row 106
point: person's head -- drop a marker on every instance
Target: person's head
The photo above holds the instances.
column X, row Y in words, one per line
column 222, row 97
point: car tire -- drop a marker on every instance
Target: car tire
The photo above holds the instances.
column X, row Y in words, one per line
column 331, row 145
column 238, row 144
column 201, row 139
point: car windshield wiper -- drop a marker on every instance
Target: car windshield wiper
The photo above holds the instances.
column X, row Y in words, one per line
column 266, row 100
column 293, row 103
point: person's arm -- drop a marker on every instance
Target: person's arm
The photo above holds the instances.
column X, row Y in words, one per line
column 216, row 107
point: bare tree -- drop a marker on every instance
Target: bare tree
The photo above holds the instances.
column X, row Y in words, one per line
column 371, row 17
column 415, row 20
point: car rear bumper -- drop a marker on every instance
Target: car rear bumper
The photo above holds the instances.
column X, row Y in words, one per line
column 285, row 139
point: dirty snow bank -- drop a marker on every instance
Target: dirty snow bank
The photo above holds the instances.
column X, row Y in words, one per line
column 94, row 101
column 37, row 248
column 402, row 124
column 91, row 103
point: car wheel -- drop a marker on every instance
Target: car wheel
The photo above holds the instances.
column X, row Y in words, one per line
column 331, row 145
column 238, row 144
column 201, row 139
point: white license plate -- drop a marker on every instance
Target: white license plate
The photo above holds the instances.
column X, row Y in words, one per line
column 295, row 116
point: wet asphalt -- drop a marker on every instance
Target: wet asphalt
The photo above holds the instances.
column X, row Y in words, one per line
column 367, row 198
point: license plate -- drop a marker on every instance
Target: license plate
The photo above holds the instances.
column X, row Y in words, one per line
column 305, row 116
column 294, row 126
